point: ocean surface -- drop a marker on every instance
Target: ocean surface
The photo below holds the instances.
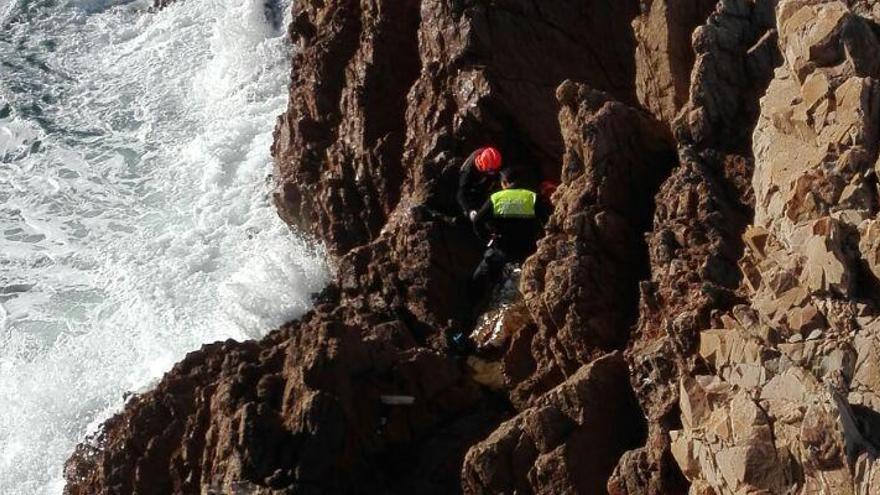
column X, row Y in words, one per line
column 135, row 216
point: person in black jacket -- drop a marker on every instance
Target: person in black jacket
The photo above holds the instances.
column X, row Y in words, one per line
column 477, row 179
column 510, row 221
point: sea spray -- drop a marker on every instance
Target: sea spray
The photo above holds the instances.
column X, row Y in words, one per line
column 135, row 218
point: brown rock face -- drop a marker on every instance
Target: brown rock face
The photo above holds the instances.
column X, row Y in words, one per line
column 300, row 412
column 567, row 442
column 694, row 248
column 701, row 212
column 339, row 145
column 664, row 55
column 781, row 407
column 735, row 54
column 582, row 284
column 381, row 90
column 709, row 326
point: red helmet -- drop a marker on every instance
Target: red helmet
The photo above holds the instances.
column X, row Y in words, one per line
column 548, row 187
column 488, row 160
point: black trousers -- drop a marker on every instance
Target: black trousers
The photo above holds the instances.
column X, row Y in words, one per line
column 487, row 274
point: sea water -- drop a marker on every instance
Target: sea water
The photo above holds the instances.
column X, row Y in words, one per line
column 135, row 217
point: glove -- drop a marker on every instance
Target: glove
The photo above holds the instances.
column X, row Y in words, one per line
column 472, row 215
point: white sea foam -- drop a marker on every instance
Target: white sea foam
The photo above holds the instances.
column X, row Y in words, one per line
column 135, row 222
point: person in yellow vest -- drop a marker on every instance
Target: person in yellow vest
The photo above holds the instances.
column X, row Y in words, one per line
column 510, row 221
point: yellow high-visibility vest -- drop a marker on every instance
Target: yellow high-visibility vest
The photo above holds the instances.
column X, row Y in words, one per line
column 514, row 203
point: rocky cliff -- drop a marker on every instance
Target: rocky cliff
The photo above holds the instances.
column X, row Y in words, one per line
column 700, row 317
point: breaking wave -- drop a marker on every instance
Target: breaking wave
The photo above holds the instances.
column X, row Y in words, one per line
column 135, row 218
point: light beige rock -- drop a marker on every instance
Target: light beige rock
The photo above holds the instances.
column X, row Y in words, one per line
column 867, row 367
column 794, row 386
column 826, row 265
column 869, row 245
column 756, row 238
column 694, row 403
column 818, row 116
column 808, row 34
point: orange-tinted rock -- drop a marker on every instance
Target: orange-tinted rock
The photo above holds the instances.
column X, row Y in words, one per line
column 701, row 212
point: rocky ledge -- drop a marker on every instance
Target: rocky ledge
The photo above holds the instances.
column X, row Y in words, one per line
column 702, row 316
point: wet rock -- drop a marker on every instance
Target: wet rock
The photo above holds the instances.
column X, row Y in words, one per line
column 506, row 315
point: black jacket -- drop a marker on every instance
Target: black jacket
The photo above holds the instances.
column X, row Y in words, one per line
column 474, row 186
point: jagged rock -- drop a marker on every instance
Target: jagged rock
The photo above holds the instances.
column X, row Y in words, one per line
column 788, row 433
column 567, row 442
column 694, row 248
column 490, row 72
column 819, row 125
column 351, row 71
column 818, row 264
column 815, row 146
column 365, row 115
column 284, row 414
column 735, row 55
column 869, row 245
column 701, row 213
column 865, row 8
column 664, row 55
column 732, row 443
column 581, row 285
